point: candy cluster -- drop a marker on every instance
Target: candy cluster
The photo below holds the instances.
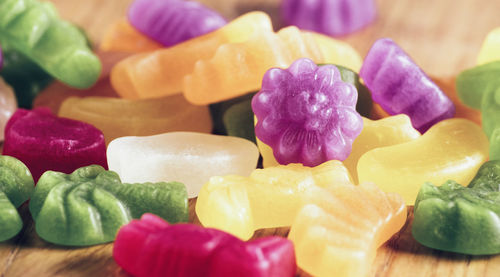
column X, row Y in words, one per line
column 180, row 104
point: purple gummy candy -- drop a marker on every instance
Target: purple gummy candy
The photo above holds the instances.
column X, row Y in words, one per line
column 399, row 86
column 151, row 247
column 307, row 114
column 43, row 141
column 173, row 21
column 331, row 17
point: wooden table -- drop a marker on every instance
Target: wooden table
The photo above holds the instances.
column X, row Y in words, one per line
column 443, row 37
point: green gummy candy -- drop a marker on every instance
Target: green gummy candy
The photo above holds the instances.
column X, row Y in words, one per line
column 218, row 110
column 16, row 186
column 473, row 83
column 35, row 30
column 238, row 121
column 461, row 219
column 88, row 206
column 495, row 144
column 490, row 110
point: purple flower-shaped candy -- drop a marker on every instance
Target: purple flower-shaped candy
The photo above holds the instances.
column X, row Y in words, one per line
column 307, row 114
column 399, row 86
column 173, row 21
column 331, row 17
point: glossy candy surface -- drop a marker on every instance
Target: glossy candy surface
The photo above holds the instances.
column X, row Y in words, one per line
column 120, row 36
column 173, row 21
column 489, row 50
column 143, row 117
column 269, row 198
column 16, row 186
column 473, row 83
column 341, row 233
column 88, row 206
column 490, row 111
column 461, row 219
column 8, row 105
column 166, row 157
column 152, row 247
column 35, row 29
column 398, row 85
column 306, row 114
column 44, row 142
column 453, row 149
column 337, row 52
column 161, row 72
column 331, row 17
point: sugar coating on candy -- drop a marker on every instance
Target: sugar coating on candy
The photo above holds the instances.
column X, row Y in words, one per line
column 8, row 105
column 151, row 247
column 88, row 206
column 398, row 85
column 44, row 142
column 173, row 21
column 307, row 114
column 331, row 17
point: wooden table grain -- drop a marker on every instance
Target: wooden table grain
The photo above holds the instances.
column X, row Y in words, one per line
column 442, row 36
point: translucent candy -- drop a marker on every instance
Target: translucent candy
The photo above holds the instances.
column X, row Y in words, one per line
column 269, row 198
column 306, row 114
column 143, row 246
column 238, row 120
column 88, row 206
column 473, row 83
column 190, row 158
column 8, row 105
column 173, row 21
column 489, row 51
column 337, row 52
column 120, row 36
column 398, row 85
column 331, row 17
column 44, row 142
column 452, row 149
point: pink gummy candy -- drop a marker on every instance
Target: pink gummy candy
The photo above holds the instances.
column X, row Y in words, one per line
column 307, row 114
column 173, row 21
column 331, row 17
column 43, row 141
column 151, row 247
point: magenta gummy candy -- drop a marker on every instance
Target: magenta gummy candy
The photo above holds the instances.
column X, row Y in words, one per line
column 151, row 247
column 43, row 141
column 307, row 114
column 399, row 86
column 331, row 17
column 173, row 21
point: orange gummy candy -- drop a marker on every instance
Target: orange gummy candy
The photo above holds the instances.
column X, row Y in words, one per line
column 123, row 37
column 160, row 73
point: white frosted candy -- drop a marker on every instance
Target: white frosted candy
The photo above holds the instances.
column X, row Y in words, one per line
column 8, row 105
column 186, row 157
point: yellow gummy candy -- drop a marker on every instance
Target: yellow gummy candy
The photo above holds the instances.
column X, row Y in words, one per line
column 269, row 198
column 490, row 51
column 453, row 149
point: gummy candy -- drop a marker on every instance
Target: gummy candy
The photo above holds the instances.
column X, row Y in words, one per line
column 306, row 114
column 173, row 21
column 8, row 105
column 44, row 142
column 34, row 29
column 389, row 131
column 161, row 73
column 398, row 85
column 238, row 120
column 1, row 58
column 342, row 232
column 143, row 117
column 166, row 157
column 246, row 63
column 123, row 37
column 26, row 77
column 473, row 83
column 16, row 186
column 143, row 246
column 88, row 206
column 331, row 17
column 269, row 198
column 461, row 219
column 490, row 110
column 489, row 50
column 451, row 149
column 365, row 103
column 337, row 52
column 217, row 110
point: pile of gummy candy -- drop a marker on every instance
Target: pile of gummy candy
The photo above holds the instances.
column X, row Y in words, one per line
column 346, row 143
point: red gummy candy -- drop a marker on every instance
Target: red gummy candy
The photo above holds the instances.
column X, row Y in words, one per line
column 43, row 141
column 151, row 247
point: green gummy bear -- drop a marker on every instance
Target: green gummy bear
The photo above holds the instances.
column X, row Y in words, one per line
column 35, row 30
column 461, row 219
column 473, row 83
column 88, row 206
column 16, row 186
column 238, row 120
